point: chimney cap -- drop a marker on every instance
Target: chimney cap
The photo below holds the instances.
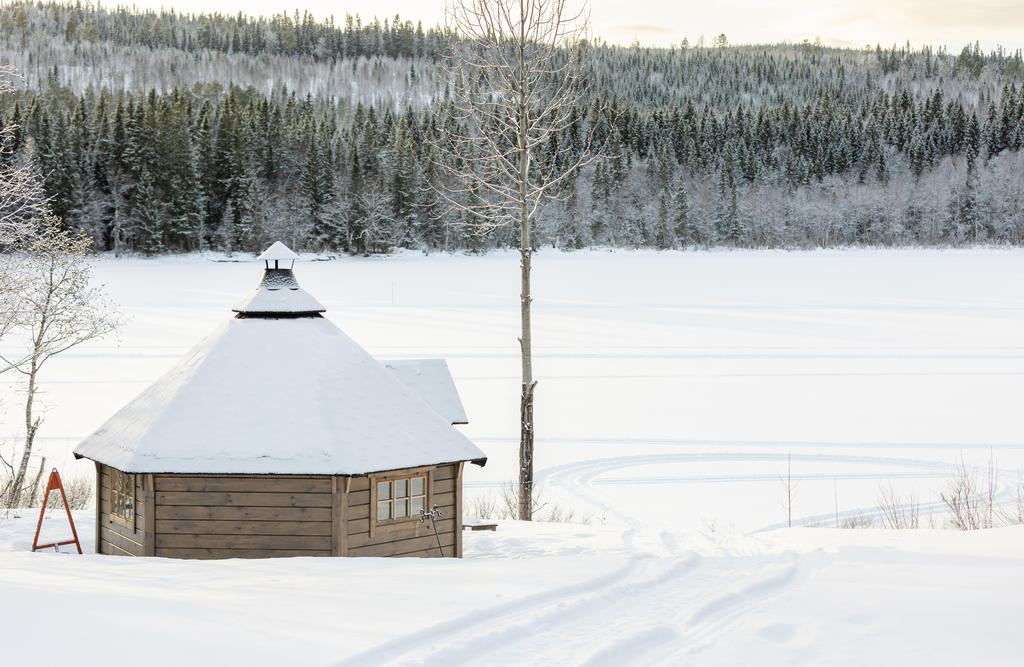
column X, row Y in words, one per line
column 278, row 251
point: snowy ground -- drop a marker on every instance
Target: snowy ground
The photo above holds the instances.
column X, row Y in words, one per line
column 673, row 389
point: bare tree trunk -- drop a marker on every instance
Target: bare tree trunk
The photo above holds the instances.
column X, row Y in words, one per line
column 34, row 489
column 526, row 399
column 526, row 337
column 31, row 427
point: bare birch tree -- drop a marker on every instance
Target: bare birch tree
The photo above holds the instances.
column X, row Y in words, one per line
column 58, row 309
column 518, row 73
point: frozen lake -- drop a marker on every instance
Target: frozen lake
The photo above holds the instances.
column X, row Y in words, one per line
column 673, row 387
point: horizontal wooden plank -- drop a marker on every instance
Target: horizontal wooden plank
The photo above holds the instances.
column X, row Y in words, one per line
column 313, row 542
column 356, row 498
column 426, row 553
column 361, row 526
column 207, row 554
column 262, row 484
column 113, row 550
column 201, row 527
column 443, row 500
column 121, row 529
column 243, row 499
column 124, row 542
column 232, row 513
column 358, row 484
column 399, row 531
column 357, row 512
column 409, row 546
column 444, row 486
column 445, row 472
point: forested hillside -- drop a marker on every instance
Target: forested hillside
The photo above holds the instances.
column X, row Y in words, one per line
column 160, row 132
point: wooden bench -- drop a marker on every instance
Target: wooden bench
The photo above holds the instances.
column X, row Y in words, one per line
column 473, row 523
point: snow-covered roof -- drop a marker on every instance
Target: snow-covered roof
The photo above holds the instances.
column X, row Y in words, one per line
column 278, row 251
column 432, row 381
column 278, row 294
column 286, row 395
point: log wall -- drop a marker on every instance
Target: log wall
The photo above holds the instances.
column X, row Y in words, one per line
column 239, row 516
column 115, row 536
column 261, row 516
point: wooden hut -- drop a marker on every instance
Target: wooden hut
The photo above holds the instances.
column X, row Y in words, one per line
column 278, row 435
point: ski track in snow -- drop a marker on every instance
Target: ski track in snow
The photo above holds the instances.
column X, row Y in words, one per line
column 664, row 607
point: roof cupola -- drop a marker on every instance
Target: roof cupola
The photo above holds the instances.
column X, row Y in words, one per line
column 279, row 294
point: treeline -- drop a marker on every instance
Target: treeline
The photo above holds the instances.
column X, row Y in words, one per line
column 751, row 146
column 282, row 34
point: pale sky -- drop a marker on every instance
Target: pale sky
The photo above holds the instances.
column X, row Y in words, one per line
column 663, row 22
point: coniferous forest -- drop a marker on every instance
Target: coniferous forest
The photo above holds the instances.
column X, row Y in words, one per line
column 162, row 132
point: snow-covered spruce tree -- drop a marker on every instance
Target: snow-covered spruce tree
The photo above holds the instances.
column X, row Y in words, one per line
column 318, row 191
column 680, row 214
column 404, row 186
column 572, row 231
column 429, row 226
column 179, row 174
column 147, row 217
column 57, row 309
column 517, row 68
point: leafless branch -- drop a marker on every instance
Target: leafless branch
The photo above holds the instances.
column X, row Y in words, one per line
column 519, row 72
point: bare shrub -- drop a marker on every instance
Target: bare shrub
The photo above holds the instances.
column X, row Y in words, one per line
column 78, row 489
column 1014, row 516
column 559, row 514
column 484, row 507
column 28, row 490
column 858, row 521
column 897, row 512
column 971, row 505
column 505, row 505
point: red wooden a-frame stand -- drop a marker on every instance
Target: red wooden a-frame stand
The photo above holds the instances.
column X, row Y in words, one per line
column 52, row 485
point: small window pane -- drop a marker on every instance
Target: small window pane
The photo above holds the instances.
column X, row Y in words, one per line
column 417, row 486
column 402, row 488
column 383, row 511
column 384, row 491
column 416, row 506
column 401, row 509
